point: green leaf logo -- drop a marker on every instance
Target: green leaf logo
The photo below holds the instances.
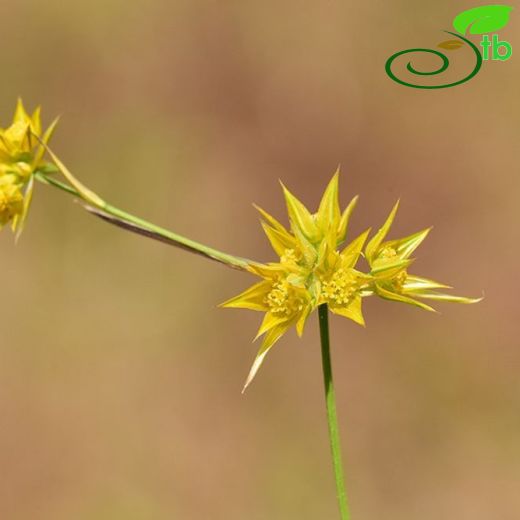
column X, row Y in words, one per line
column 484, row 19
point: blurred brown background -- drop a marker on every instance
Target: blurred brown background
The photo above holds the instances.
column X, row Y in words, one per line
column 120, row 379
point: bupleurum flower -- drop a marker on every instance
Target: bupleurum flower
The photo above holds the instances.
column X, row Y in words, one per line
column 311, row 271
column 21, row 155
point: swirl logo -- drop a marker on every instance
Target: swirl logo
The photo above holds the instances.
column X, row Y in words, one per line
column 480, row 20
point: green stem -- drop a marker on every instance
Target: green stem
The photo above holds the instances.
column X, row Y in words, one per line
column 126, row 220
column 331, row 411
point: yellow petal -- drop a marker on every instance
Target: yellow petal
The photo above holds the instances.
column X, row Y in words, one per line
column 345, row 218
column 404, row 247
column 352, row 311
column 19, row 221
column 268, row 271
column 300, row 324
column 269, row 321
column 447, row 297
column 45, row 139
column 323, row 256
column 280, row 241
column 269, row 340
column 270, row 219
column 4, row 147
column 373, row 245
column 20, row 115
column 388, row 295
column 299, row 216
column 36, row 122
column 308, row 251
column 418, row 283
column 328, row 215
column 252, row 298
column 389, row 267
column 351, row 253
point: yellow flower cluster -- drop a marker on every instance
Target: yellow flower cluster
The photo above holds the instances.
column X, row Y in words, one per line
column 21, row 154
column 312, row 271
column 315, row 267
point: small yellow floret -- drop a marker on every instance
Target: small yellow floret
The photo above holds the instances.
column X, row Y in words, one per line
column 340, row 288
column 283, row 299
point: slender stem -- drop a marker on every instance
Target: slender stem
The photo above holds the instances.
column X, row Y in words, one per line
column 187, row 243
column 331, row 411
column 151, row 230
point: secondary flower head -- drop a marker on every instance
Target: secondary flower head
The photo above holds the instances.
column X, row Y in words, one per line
column 389, row 262
column 22, row 147
column 316, row 268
